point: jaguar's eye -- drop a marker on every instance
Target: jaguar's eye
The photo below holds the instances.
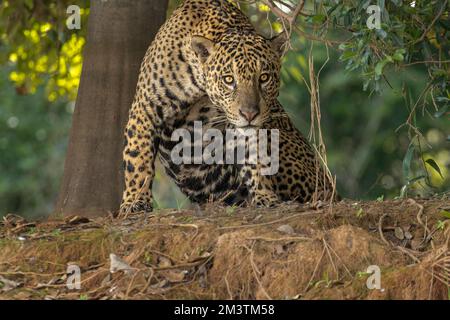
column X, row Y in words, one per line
column 264, row 78
column 229, row 80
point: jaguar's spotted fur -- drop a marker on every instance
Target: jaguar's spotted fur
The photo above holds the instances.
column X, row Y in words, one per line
column 207, row 63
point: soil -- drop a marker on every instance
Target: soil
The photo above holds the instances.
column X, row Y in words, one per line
column 289, row 252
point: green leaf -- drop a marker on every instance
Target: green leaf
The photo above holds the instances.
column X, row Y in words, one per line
column 344, row 46
column 440, row 225
column 347, row 55
column 407, row 161
column 435, row 166
column 319, row 18
column 441, row 111
column 379, row 67
column 398, row 56
column 401, row 51
column 445, row 214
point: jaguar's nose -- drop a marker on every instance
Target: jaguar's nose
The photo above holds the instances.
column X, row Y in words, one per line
column 249, row 114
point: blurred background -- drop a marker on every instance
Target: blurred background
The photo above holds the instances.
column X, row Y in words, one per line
column 369, row 149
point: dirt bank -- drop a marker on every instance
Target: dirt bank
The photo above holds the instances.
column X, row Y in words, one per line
column 290, row 252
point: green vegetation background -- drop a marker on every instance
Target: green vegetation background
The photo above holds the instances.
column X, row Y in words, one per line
column 38, row 87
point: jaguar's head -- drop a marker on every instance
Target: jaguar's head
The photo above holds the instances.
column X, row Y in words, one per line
column 242, row 74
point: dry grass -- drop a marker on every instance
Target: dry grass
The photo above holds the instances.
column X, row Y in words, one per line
column 240, row 254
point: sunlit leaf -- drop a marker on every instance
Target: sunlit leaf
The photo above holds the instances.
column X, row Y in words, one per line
column 435, row 166
column 319, row 18
column 445, row 214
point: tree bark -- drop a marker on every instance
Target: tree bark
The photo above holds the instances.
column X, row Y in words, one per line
column 119, row 34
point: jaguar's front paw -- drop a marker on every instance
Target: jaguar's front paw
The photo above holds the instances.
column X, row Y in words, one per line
column 140, row 206
column 266, row 201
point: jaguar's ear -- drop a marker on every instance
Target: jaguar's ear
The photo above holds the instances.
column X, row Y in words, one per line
column 279, row 43
column 203, row 47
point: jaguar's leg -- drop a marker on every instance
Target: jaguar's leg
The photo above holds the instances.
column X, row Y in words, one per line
column 260, row 188
column 141, row 147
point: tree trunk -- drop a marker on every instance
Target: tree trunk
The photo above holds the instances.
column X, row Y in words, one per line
column 119, row 34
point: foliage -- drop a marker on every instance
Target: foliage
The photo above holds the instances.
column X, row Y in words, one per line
column 32, row 146
column 410, row 32
column 413, row 38
column 35, row 39
column 364, row 150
